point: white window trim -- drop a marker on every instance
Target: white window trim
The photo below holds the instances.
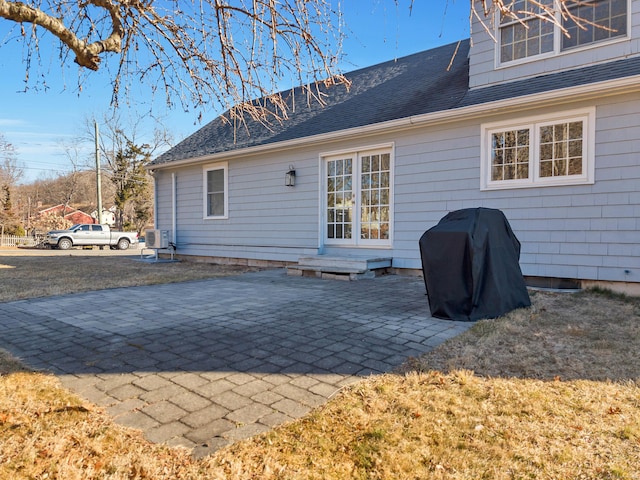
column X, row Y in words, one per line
column 557, row 43
column 356, row 153
column 207, row 168
column 588, row 116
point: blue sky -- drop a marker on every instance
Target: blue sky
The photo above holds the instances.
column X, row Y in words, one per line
column 39, row 122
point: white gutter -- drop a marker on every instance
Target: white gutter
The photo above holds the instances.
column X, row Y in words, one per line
column 554, row 97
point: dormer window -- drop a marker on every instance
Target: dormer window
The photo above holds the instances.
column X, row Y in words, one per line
column 529, row 35
column 609, row 15
column 534, row 32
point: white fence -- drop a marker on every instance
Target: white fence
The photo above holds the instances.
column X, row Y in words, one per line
column 17, row 241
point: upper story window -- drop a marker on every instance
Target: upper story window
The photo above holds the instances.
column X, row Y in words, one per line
column 610, row 16
column 530, row 35
column 536, row 32
column 539, row 151
column 216, row 191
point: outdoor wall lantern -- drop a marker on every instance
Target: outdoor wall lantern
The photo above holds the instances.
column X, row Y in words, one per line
column 290, row 177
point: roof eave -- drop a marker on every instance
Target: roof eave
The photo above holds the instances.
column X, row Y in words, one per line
column 552, row 97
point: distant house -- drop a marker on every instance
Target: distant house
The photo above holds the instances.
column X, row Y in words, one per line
column 73, row 215
column 108, row 216
column 543, row 127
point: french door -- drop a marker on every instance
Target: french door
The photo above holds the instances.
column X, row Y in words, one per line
column 358, row 198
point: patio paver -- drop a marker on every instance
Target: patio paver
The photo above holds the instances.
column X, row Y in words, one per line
column 202, row 364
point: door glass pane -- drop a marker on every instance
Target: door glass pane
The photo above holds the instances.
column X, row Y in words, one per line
column 375, row 185
column 372, row 192
column 339, row 199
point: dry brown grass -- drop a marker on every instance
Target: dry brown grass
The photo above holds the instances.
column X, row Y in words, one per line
column 587, row 335
column 455, row 426
column 42, row 276
column 547, row 392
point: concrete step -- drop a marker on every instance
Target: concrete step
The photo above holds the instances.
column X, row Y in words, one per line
column 345, row 262
column 339, row 267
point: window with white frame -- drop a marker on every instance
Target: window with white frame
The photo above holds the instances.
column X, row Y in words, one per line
column 215, row 191
column 540, row 151
column 610, row 16
column 531, row 33
column 533, row 30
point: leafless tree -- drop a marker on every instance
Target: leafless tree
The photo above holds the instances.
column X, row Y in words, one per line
column 196, row 52
column 214, row 51
column 10, row 171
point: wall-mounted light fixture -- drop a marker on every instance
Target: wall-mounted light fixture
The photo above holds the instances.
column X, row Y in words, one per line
column 290, row 177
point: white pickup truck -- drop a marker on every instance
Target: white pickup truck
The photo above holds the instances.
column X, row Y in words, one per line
column 90, row 234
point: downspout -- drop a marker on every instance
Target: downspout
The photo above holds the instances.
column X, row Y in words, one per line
column 155, row 199
column 174, row 207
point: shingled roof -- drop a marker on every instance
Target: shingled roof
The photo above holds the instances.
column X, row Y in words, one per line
column 431, row 81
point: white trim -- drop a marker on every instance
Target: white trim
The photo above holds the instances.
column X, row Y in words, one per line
column 543, row 99
column 364, row 148
column 224, row 166
column 587, row 115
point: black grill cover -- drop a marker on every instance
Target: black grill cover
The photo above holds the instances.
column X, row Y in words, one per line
column 470, row 265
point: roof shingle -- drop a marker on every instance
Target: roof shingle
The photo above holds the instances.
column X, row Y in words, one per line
column 426, row 82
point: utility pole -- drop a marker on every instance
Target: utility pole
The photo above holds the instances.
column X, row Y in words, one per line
column 98, row 181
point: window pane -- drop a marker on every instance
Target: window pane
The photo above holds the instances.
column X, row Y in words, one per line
column 366, row 164
column 523, row 155
column 523, row 171
column 215, row 181
column 561, row 149
column 545, row 169
column 216, row 205
column 375, row 180
column 510, row 155
column 559, row 167
column 575, row 166
column 385, row 162
column 599, row 20
column 575, row 148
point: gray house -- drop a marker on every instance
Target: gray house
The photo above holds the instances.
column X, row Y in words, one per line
column 542, row 126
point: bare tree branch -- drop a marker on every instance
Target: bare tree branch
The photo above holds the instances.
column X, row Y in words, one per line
column 196, row 52
column 225, row 52
column 87, row 54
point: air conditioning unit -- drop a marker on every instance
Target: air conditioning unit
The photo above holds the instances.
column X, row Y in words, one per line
column 156, row 238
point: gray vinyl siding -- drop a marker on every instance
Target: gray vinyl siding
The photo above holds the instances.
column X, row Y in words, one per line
column 582, row 231
column 484, row 71
column 266, row 220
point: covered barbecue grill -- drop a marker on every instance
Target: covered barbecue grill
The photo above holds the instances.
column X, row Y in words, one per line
column 470, row 261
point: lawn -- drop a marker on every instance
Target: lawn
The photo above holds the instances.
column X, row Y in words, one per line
column 552, row 391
